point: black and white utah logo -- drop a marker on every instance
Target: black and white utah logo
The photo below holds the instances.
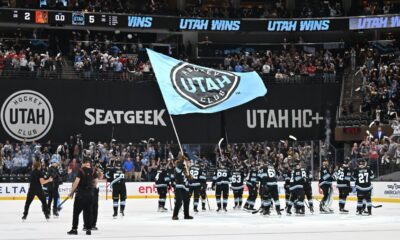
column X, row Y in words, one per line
column 204, row 87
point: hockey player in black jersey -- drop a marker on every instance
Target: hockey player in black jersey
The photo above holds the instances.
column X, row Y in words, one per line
column 363, row 176
column 251, row 183
column 308, row 188
column 343, row 177
column 297, row 181
column 325, row 183
column 52, row 187
column 268, row 181
column 195, row 185
column 162, row 181
column 220, row 184
column 286, row 173
column 237, row 185
column 203, row 185
column 115, row 175
column 181, row 175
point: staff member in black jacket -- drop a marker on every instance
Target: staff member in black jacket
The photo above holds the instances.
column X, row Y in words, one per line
column 84, row 183
column 35, row 189
column 95, row 206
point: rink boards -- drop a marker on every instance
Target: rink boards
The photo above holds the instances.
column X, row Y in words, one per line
column 382, row 192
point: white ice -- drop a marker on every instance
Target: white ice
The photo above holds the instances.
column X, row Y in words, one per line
column 142, row 221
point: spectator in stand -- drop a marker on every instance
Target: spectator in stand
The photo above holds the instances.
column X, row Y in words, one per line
column 355, row 154
column 138, row 168
column 73, row 168
column 152, row 170
column 379, row 135
column 128, row 166
column 239, row 67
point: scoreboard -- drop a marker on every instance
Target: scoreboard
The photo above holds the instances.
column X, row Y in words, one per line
column 172, row 23
column 60, row 18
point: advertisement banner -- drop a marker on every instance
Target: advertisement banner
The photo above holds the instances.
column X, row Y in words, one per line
column 55, row 110
column 382, row 191
column 301, row 110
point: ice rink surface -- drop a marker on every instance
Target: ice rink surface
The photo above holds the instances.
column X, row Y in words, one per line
column 142, row 221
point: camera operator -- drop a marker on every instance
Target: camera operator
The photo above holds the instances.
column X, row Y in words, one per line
column 52, row 187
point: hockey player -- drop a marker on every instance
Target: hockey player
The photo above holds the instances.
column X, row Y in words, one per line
column 195, row 185
column 251, row 183
column 52, row 187
column 237, row 185
column 343, row 178
column 221, row 180
column 181, row 175
column 286, row 174
column 325, row 183
column 297, row 181
column 162, row 181
column 363, row 176
column 268, row 181
column 35, row 189
column 308, row 188
column 203, row 186
column 115, row 175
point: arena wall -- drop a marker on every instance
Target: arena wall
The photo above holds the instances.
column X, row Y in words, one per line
column 133, row 112
column 382, row 192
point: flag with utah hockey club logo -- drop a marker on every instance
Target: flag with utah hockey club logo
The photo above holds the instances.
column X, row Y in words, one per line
column 189, row 88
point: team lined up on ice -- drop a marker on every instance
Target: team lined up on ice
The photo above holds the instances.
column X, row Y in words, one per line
column 261, row 180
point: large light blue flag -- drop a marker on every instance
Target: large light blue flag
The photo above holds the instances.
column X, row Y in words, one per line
column 189, row 88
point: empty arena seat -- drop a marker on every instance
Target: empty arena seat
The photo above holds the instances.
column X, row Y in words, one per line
column 5, row 177
column 27, row 177
column 13, row 177
column 20, row 177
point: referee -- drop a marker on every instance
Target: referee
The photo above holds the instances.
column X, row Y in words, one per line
column 84, row 184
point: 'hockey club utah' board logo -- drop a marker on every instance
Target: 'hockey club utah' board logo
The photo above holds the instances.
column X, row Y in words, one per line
column 27, row 115
column 204, row 87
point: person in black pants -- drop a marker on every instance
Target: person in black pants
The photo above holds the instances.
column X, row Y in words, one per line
column 181, row 190
column 35, row 189
column 53, row 186
column 84, row 183
column 325, row 183
column 95, row 208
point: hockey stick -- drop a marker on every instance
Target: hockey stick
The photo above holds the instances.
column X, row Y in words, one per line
column 170, row 202
column 219, row 146
column 59, row 206
column 208, row 203
column 257, row 211
column 307, row 205
column 377, row 206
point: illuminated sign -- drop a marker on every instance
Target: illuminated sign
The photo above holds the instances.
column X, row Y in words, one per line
column 170, row 23
column 374, row 22
column 298, row 25
column 140, row 22
column 206, row 24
